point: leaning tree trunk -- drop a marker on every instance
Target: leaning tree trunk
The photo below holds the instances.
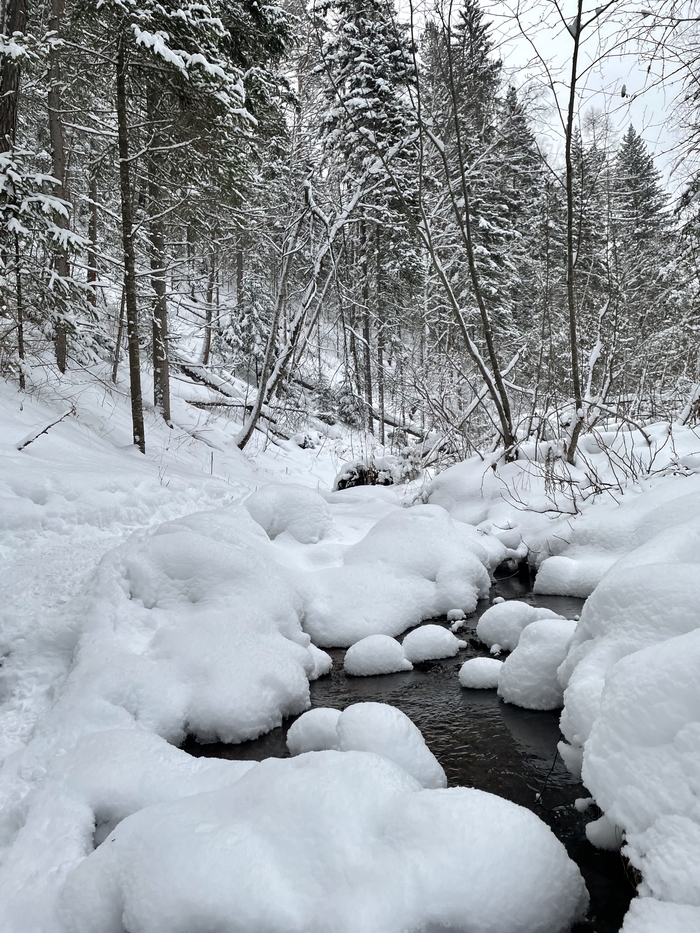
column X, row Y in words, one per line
column 132, row 324
column 58, row 153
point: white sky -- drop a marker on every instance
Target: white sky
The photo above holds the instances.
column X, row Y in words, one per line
column 533, row 41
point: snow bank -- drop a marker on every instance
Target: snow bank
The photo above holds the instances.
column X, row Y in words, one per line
column 647, row 915
column 290, row 509
column 503, row 623
column 295, row 845
column 368, row 727
column 376, row 654
column 631, row 715
column 610, row 530
column 529, row 674
column 480, row 673
column 430, row 642
column 198, row 630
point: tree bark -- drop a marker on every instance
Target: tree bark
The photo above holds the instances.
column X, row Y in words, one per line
column 92, row 237
column 209, row 321
column 570, row 247
column 132, row 324
column 366, row 329
column 10, row 73
column 161, row 366
column 58, row 154
column 20, row 314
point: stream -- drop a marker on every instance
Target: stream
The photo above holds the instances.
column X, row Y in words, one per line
column 481, row 742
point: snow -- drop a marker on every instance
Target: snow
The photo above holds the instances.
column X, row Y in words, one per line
column 503, row 623
column 376, row 654
column 647, row 915
column 295, row 844
column 290, row 509
column 314, row 731
column 345, row 604
column 480, row 673
column 191, row 591
column 426, row 542
column 429, row 642
column 368, row 727
column 529, row 674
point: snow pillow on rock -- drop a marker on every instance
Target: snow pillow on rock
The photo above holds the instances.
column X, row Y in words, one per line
column 503, row 623
column 376, row 654
column 368, row 727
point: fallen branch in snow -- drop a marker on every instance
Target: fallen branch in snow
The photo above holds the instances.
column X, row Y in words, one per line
column 30, row 438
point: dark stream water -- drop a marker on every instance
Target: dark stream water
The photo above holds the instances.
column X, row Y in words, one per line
column 481, row 742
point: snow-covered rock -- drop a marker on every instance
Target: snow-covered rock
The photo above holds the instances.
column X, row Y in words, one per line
column 291, row 509
column 480, row 673
column 424, row 540
column 368, row 727
column 386, row 731
column 529, row 675
column 430, row 642
column 314, row 843
column 376, row 654
column 503, row 623
column 314, row 731
column 345, row 604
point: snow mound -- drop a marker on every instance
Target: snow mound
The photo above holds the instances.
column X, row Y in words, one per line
column 291, row 509
column 430, row 642
column 413, row 564
column 386, row 731
column 296, row 844
column 503, row 623
column 480, row 673
column 314, row 731
column 529, row 675
column 424, row 540
column 641, row 762
column 368, row 727
column 376, row 654
column 345, row 604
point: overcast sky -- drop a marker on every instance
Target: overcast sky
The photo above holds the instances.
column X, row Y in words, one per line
column 536, row 49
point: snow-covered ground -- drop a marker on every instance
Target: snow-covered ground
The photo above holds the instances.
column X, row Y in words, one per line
column 191, row 592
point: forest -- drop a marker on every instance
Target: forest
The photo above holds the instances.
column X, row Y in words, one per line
column 353, row 211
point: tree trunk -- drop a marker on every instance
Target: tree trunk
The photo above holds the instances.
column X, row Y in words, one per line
column 132, row 323
column 58, row 153
column 366, row 329
column 161, row 367
column 380, row 339
column 92, row 237
column 570, row 248
column 206, row 352
column 10, row 72
column 20, row 314
column 118, row 341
